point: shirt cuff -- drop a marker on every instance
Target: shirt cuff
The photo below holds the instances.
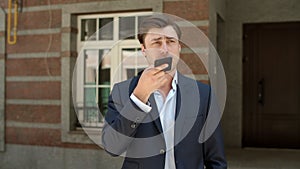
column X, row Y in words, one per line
column 145, row 107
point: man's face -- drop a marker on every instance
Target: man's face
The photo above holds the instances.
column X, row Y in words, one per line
column 161, row 42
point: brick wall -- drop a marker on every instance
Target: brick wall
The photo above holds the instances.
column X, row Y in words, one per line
column 197, row 12
column 31, row 117
column 33, row 69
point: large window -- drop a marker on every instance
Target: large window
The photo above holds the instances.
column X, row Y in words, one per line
column 109, row 52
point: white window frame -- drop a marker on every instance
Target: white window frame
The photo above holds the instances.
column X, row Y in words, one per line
column 70, row 12
column 115, row 76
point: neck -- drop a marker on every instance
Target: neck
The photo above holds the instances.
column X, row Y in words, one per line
column 166, row 88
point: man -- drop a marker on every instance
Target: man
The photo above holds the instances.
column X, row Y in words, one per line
column 155, row 119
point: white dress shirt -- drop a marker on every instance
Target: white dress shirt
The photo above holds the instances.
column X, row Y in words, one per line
column 166, row 109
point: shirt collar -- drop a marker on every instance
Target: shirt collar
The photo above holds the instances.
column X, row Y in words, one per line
column 175, row 81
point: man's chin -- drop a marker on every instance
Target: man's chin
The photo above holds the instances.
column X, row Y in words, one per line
column 172, row 72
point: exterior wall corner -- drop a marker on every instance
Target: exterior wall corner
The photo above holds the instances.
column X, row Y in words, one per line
column 2, row 80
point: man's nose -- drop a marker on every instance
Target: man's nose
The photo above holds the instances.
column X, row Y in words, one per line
column 164, row 47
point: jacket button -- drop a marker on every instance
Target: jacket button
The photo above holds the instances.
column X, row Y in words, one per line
column 162, row 151
column 133, row 126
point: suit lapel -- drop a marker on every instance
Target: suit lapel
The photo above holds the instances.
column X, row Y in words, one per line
column 187, row 106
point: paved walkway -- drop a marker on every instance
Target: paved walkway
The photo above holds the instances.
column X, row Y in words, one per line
column 256, row 158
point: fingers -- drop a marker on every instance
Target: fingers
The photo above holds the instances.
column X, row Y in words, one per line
column 159, row 69
column 152, row 79
column 155, row 73
column 162, row 79
column 162, row 67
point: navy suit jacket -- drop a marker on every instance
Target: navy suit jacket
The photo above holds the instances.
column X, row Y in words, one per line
column 138, row 135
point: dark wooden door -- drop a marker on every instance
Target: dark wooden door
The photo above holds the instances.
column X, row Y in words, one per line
column 271, row 85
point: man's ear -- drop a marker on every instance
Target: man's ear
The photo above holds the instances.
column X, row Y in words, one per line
column 143, row 49
column 179, row 48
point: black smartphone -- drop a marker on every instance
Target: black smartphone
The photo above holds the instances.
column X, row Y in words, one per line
column 166, row 60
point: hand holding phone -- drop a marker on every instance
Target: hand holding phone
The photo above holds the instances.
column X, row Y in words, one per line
column 153, row 78
column 165, row 60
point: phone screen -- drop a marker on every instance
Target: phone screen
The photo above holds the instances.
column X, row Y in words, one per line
column 166, row 60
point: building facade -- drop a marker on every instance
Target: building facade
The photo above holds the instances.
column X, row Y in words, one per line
column 39, row 126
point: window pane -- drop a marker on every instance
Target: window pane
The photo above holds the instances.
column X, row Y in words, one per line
column 104, row 79
column 127, row 27
column 90, row 97
column 141, row 18
column 92, row 66
column 91, row 60
column 104, row 67
column 130, row 73
column 95, row 96
column 106, row 29
column 133, row 72
column 91, row 113
column 103, row 99
column 132, row 62
column 88, row 29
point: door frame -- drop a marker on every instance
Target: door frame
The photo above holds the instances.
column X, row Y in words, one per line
column 252, row 134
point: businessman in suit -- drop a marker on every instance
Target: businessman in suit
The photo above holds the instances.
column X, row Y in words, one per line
column 155, row 118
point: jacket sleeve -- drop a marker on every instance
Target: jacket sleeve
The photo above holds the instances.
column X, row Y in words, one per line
column 214, row 155
column 121, row 122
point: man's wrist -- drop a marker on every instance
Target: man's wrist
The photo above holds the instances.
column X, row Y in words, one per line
column 145, row 107
column 142, row 96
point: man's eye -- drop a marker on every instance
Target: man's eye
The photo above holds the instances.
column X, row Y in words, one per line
column 171, row 41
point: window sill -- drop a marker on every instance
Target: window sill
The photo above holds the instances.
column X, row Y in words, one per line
column 83, row 136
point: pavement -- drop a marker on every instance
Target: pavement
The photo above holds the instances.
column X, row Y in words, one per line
column 260, row 158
